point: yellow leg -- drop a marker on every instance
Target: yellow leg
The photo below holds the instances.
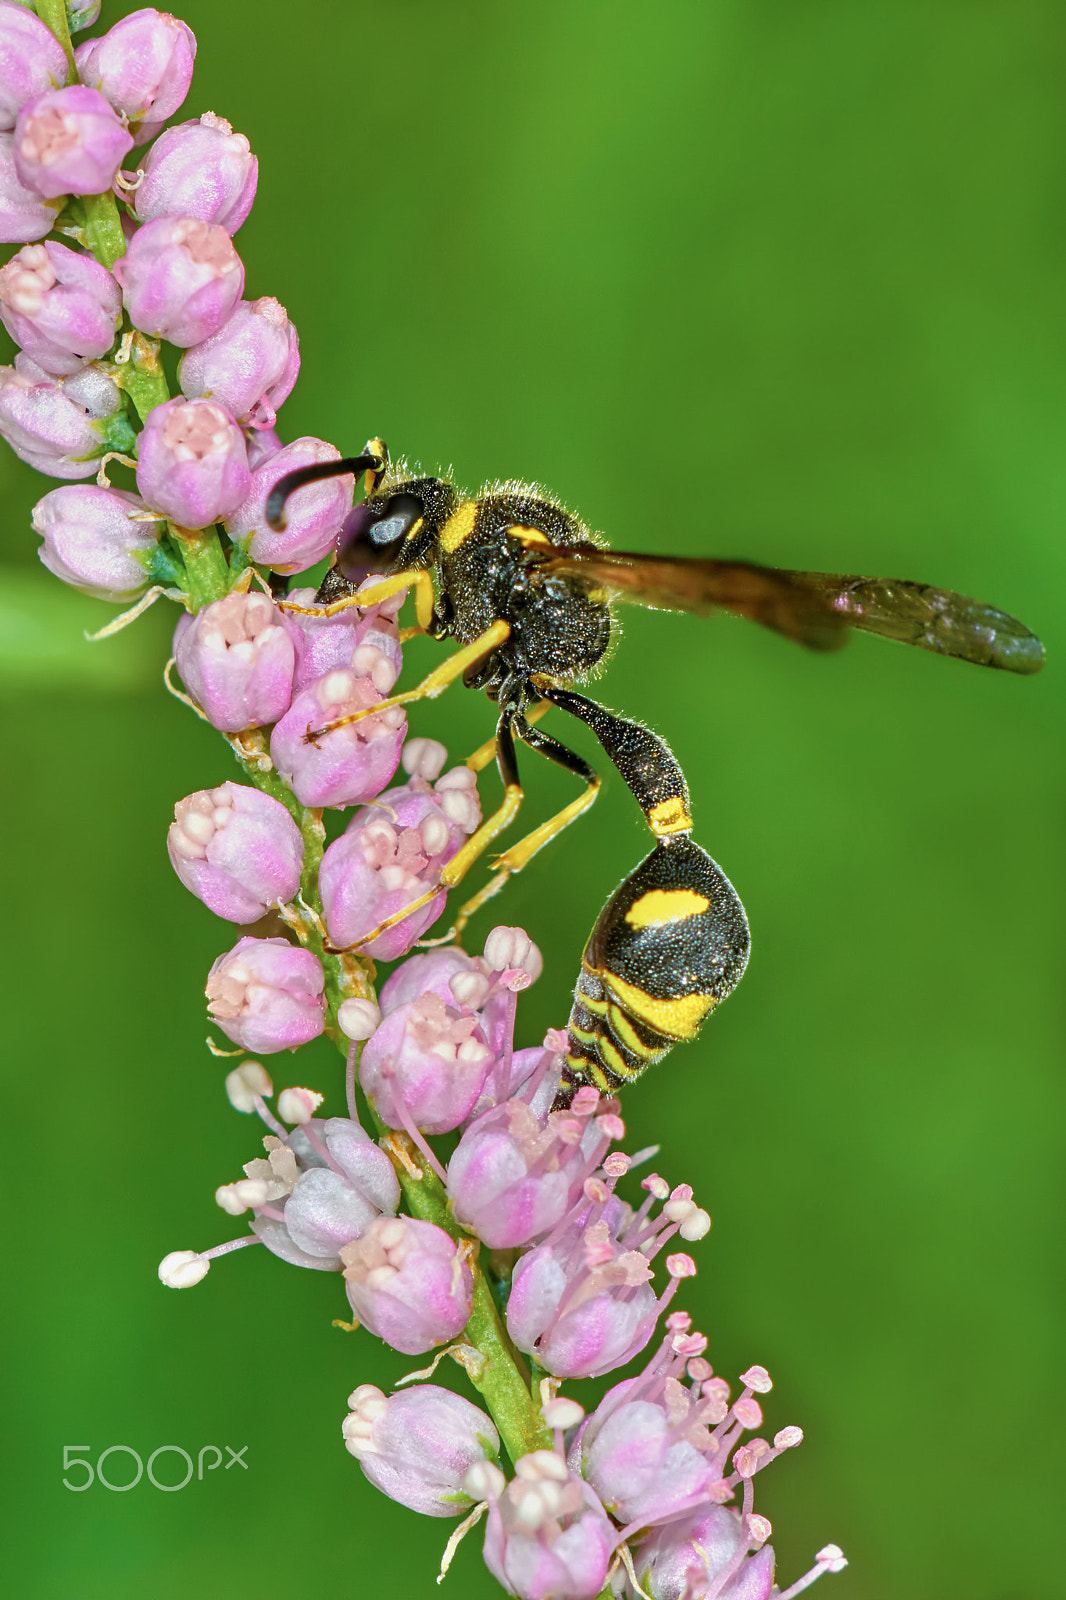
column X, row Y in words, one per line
column 459, row 865
column 521, row 853
column 431, row 686
column 418, row 580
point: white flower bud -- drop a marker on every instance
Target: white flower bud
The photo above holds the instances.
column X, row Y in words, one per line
column 358, row 1019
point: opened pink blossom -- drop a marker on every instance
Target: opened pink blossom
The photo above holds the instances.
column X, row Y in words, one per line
column 346, row 765
column 236, row 659
column 237, row 849
column 409, row 1283
column 180, row 279
column 191, row 462
column 266, row 995
column 62, row 307
column 69, row 141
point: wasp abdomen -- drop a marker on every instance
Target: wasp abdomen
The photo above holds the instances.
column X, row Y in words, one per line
column 671, row 942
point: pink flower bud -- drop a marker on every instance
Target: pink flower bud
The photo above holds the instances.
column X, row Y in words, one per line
column 191, row 462
column 144, row 67
column 429, row 973
column 318, row 1189
column 514, row 1175
column 684, row 1557
column 350, row 765
column 641, row 1465
column 61, row 426
column 236, row 659
column 547, row 1537
column 263, row 443
column 425, row 1065
column 408, row 1283
column 69, row 141
column 62, row 307
column 31, row 61
column 315, row 513
column 417, row 1445
column 92, row 542
column 266, row 995
column 332, row 1206
column 249, row 366
column 180, row 279
column 389, row 856
column 199, row 169
column 323, row 643
column 24, row 214
column 581, row 1302
column 237, row 849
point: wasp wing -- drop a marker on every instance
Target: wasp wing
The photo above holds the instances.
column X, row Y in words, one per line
column 813, row 608
column 682, row 583
column 933, row 619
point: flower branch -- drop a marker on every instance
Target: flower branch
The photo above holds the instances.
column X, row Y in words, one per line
column 653, row 1489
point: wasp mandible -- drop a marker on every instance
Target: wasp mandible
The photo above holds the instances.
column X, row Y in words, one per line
column 527, row 590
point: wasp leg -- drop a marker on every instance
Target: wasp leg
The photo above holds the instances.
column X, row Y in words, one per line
column 431, row 686
column 521, row 853
column 419, row 580
column 460, row 864
column 487, row 752
column 645, row 761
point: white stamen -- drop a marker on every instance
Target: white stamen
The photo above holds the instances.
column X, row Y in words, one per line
column 562, row 1413
column 423, row 758
column 246, row 1083
column 298, row 1105
column 183, row 1268
column 483, row 1481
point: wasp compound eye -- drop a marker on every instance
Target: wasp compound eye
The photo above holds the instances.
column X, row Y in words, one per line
column 373, row 532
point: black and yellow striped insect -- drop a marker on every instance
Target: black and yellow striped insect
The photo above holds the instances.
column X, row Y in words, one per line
column 526, row 589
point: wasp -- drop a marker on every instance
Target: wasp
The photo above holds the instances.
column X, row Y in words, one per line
column 528, row 592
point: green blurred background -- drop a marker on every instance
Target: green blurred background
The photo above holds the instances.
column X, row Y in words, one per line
column 774, row 280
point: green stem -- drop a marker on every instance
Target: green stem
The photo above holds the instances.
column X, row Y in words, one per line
column 142, row 375
column 205, row 564
column 53, row 13
column 102, row 224
column 500, row 1380
column 497, row 1370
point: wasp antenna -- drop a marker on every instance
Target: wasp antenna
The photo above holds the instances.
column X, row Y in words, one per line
column 275, row 506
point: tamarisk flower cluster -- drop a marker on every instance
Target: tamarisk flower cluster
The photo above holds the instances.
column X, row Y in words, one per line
column 510, row 1249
